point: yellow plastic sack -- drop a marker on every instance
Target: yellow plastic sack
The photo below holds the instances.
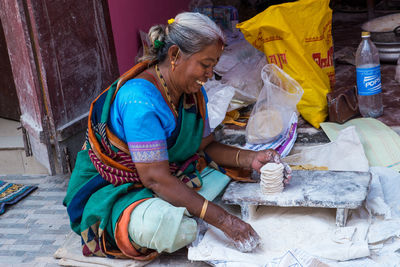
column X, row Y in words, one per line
column 297, row 37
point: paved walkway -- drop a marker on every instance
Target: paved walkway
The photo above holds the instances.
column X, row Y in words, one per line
column 34, row 228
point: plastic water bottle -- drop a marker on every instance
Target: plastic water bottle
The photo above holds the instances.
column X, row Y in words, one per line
column 368, row 70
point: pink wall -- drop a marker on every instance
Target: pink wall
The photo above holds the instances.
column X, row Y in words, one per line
column 130, row 16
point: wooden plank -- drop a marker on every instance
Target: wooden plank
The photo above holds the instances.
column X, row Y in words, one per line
column 22, row 63
column 76, row 55
column 76, row 60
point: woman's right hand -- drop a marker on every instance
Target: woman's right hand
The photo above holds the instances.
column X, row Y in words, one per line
column 243, row 235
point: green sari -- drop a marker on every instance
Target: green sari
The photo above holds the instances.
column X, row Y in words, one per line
column 105, row 182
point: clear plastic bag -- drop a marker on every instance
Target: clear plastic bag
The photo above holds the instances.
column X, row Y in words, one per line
column 274, row 107
column 245, row 78
column 238, row 52
column 219, row 96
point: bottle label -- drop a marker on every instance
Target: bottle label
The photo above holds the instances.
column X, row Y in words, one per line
column 369, row 80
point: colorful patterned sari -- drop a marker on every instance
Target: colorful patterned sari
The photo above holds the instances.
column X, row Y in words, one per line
column 105, row 184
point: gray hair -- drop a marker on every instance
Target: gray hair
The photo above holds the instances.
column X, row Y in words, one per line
column 191, row 32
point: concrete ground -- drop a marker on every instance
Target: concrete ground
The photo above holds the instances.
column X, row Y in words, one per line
column 35, row 227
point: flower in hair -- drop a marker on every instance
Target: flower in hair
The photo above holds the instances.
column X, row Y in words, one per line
column 171, row 21
column 158, row 44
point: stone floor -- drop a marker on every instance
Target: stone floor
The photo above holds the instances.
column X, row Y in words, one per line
column 35, row 227
column 32, row 229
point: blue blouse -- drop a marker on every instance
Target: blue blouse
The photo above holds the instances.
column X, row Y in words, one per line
column 140, row 117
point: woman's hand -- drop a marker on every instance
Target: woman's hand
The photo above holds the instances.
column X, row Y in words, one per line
column 245, row 239
column 227, row 156
column 260, row 158
column 156, row 177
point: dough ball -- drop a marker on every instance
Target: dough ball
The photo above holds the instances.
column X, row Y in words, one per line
column 265, row 124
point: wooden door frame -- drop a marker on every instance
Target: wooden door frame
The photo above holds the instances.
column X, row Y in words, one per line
column 40, row 45
column 26, row 71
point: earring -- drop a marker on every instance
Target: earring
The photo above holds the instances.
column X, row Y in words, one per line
column 173, row 61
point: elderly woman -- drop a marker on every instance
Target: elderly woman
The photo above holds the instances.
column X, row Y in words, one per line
column 150, row 163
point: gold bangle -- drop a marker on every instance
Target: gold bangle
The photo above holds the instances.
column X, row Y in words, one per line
column 237, row 157
column 204, row 209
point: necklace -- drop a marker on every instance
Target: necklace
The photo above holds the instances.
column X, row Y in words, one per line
column 164, row 85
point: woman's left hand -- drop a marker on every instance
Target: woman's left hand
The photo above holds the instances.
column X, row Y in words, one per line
column 261, row 158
